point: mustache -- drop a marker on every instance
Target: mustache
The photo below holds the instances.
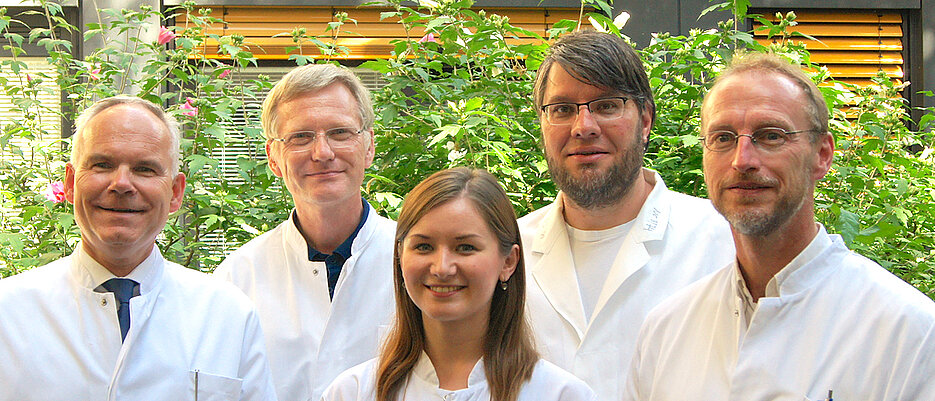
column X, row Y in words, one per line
column 751, row 178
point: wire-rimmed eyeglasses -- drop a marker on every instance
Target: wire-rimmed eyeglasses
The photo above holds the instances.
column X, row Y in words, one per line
column 767, row 138
column 341, row 138
column 603, row 109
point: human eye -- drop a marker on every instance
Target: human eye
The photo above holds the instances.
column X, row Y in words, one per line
column 145, row 170
column 770, row 136
column 340, row 134
column 465, row 248
column 421, row 247
column 561, row 110
column 606, row 106
column 300, row 138
column 100, row 165
column 722, row 137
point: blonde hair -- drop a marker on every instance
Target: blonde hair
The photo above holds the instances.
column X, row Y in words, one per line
column 310, row 78
column 509, row 354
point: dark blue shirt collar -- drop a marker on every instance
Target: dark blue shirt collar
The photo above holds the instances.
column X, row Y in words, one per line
column 344, row 250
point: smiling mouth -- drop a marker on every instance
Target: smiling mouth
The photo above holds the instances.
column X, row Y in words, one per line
column 121, row 210
column 445, row 289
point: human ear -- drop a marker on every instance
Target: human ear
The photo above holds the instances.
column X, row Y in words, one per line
column 509, row 264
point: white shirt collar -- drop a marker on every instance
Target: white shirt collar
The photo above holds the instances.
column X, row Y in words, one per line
column 145, row 273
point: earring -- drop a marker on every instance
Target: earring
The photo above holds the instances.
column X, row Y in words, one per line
column 503, row 285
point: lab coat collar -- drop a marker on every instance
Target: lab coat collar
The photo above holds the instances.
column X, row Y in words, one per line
column 555, row 270
column 804, row 271
column 297, row 248
column 425, row 371
column 91, row 274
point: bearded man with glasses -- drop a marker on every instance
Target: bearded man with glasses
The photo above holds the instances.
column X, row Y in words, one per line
column 797, row 316
column 321, row 280
column 616, row 241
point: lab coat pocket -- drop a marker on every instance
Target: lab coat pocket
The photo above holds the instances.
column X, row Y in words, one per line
column 209, row 387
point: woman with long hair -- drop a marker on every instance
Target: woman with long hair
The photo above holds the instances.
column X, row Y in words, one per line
column 459, row 331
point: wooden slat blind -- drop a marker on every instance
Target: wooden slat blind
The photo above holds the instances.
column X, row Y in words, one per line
column 853, row 45
column 369, row 38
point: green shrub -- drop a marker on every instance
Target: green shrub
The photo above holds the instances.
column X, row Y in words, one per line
column 461, row 96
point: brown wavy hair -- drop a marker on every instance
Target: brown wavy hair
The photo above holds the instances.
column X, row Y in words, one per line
column 509, row 354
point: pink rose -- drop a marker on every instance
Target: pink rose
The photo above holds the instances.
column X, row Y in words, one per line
column 188, row 108
column 94, row 73
column 165, row 35
column 224, row 74
column 55, row 192
column 429, row 37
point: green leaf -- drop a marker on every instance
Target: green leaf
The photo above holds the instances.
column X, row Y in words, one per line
column 848, row 224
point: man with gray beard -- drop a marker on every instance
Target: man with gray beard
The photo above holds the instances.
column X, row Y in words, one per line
column 616, row 241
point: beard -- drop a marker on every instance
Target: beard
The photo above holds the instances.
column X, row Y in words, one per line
column 594, row 189
column 759, row 221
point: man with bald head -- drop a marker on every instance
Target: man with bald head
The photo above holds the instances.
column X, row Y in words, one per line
column 797, row 316
column 114, row 320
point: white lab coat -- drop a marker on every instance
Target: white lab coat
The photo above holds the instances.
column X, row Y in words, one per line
column 311, row 338
column 60, row 340
column 548, row 383
column 676, row 239
column 841, row 322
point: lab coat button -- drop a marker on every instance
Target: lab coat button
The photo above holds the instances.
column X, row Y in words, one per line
column 315, row 272
column 103, row 301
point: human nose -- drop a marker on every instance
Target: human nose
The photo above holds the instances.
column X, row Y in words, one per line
column 444, row 264
column 746, row 154
column 585, row 125
column 321, row 149
column 121, row 180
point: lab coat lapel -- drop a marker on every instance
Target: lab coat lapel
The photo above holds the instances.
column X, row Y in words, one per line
column 649, row 225
column 555, row 270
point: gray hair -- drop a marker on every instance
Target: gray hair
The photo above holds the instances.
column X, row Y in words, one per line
column 602, row 60
column 815, row 106
column 310, row 78
column 82, row 123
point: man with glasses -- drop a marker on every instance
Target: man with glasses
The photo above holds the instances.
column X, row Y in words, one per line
column 615, row 242
column 797, row 316
column 321, row 280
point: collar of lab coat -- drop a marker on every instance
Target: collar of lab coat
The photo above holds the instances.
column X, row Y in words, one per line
column 297, row 247
column 425, row 371
column 90, row 274
column 555, row 270
column 806, row 270
column 149, row 274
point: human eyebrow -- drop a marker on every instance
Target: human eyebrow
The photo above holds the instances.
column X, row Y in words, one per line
column 93, row 159
column 151, row 164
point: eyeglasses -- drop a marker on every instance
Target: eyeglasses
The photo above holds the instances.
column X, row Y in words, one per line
column 338, row 139
column 768, row 138
column 604, row 109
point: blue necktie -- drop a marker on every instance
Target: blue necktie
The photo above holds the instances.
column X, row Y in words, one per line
column 123, row 291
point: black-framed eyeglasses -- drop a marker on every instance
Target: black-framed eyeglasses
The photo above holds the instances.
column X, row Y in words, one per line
column 603, row 109
column 767, row 138
column 338, row 139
